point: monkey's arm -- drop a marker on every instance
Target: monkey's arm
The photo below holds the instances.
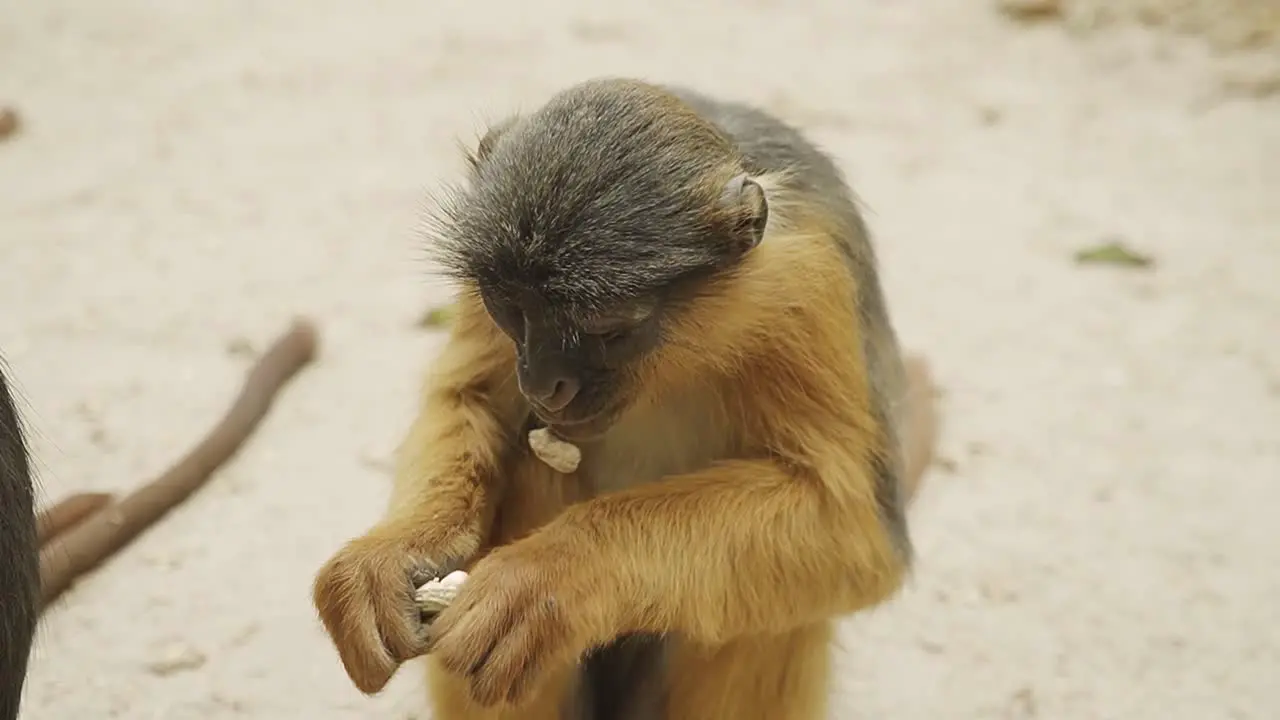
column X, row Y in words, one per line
column 742, row 547
column 447, row 477
column 442, row 503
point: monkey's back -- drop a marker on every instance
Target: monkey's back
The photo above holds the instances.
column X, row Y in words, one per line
column 768, row 144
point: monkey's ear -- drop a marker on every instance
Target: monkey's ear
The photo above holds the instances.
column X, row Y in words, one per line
column 747, row 210
column 476, row 158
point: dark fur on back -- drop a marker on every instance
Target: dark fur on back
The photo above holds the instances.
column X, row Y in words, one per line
column 19, row 559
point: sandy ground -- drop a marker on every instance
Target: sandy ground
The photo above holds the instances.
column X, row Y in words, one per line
column 190, row 176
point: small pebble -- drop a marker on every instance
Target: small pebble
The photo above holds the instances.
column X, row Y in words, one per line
column 9, row 122
column 175, row 659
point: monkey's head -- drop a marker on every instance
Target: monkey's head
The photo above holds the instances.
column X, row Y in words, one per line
column 587, row 228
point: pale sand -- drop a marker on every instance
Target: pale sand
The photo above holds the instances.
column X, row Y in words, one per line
column 190, row 175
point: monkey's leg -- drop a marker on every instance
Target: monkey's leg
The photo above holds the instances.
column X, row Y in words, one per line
column 536, row 494
column 766, row 677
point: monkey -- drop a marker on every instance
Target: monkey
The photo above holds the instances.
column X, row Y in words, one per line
column 19, row 556
column 684, row 288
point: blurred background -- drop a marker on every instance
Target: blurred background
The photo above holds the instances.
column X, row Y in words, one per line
column 1077, row 209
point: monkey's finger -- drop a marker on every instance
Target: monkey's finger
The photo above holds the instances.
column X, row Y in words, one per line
column 421, row 570
column 352, row 624
column 363, row 656
column 463, row 604
column 369, row 672
column 512, row 665
column 463, row 645
column 400, row 624
column 518, row 656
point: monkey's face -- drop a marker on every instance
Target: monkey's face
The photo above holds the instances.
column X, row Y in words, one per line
column 582, row 225
column 576, row 372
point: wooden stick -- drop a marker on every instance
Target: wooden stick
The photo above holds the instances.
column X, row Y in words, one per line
column 52, row 522
column 82, row 548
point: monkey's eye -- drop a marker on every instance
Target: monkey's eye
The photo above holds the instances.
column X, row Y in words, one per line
column 508, row 318
column 610, row 337
column 613, row 336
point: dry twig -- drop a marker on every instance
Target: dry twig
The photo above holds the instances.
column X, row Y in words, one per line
column 83, row 547
column 68, row 513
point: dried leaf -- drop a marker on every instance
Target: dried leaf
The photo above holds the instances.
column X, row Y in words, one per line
column 436, row 317
column 1113, row 253
column 240, row 347
column 1029, row 10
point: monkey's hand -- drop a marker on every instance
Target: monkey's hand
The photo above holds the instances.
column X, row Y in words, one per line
column 365, row 595
column 525, row 609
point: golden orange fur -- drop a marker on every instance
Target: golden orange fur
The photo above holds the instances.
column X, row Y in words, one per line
column 732, row 506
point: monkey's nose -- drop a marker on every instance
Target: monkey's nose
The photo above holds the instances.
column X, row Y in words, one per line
column 560, row 393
